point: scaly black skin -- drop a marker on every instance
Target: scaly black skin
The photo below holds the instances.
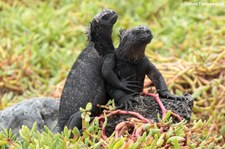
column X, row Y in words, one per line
column 85, row 82
column 130, row 64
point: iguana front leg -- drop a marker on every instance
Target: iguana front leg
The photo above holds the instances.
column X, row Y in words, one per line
column 111, row 77
column 159, row 82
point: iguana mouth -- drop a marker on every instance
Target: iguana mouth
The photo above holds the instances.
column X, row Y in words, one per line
column 113, row 18
column 146, row 38
column 145, row 34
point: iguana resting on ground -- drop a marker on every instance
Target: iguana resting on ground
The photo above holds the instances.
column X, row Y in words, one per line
column 85, row 82
column 130, row 63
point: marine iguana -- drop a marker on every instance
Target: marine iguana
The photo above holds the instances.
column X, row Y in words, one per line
column 129, row 63
column 85, row 82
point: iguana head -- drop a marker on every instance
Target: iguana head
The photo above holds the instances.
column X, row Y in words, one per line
column 133, row 42
column 107, row 17
column 100, row 31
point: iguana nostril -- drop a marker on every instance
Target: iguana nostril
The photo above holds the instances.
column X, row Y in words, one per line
column 148, row 31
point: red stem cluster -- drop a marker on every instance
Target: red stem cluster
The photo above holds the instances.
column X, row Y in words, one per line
column 139, row 120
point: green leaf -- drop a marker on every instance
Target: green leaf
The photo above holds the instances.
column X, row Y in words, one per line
column 82, row 115
column 175, row 143
column 174, row 138
column 119, row 143
column 87, row 118
column 198, row 124
column 211, row 145
column 10, row 133
column 75, row 131
column 199, row 91
column 98, row 145
column 88, row 106
column 82, row 110
column 66, row 132
column 34, row 128
column 160, row 140
column 3, row 142
column 222, row 130
column 136, row 145
column 167, row 116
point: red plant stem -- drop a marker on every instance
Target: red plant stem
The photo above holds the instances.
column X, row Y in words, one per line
column 101, row 117
column 122, row 126
column 139, row 131
column 177, row 116
column 156, row 97
column 103, row 136
column 126, row 112
column 164, row 110
column 10, row 141
column 123, row 130
column 118, row 128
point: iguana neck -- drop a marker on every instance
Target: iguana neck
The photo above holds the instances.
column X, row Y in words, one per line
column 132, row 54
column 101, row 37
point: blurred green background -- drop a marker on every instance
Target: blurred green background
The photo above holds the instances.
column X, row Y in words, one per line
column 40, row 40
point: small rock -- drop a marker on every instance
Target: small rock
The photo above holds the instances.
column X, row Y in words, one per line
column 43, row 110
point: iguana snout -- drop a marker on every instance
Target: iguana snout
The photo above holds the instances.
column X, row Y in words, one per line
column 138, row 35
column 106, row 16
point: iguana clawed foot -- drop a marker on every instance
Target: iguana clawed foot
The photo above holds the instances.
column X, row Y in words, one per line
column 125, row 85
column 126, row 102
column 166, row 94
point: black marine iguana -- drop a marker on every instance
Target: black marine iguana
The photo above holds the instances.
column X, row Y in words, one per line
column 129, row 63
column 85, row 82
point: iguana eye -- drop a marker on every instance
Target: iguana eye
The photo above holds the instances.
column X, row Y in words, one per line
column 136, row 32
column 105, row 17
